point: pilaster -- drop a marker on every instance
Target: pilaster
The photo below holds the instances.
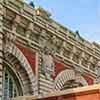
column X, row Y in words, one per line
column 1, row 49
column 45, row 82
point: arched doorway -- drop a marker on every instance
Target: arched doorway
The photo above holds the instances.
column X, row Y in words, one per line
column 11, row 84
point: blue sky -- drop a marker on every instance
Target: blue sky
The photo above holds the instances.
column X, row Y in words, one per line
column 82, row 15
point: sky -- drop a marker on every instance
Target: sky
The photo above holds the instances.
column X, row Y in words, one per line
column 81, row 15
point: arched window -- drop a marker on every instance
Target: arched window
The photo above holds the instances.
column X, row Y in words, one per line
column 11, row 86
column 71, row 84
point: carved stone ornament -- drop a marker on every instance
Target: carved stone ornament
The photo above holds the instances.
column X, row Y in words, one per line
column 97, row 69
column 9, row 39
column 47, row 63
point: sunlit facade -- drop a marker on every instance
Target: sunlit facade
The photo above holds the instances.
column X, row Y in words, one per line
column 39, row 57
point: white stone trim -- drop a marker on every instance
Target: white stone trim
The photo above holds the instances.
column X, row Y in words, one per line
column 63, row 77
column 66, row 75
column 14, row 71
column 24, row 62
column 80, row 78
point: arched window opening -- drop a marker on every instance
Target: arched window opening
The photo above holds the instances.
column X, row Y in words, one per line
column 71, row 84
column 11, row 85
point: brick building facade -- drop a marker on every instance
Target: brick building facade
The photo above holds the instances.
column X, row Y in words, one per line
column 39, row 56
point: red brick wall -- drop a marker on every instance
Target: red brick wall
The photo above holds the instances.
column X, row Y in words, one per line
column 58, row 68
column 88, row 79
column 29, row 54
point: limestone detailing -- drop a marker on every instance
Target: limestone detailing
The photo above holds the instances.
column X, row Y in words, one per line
column 67, row 75
column 79, row 78
column 20, row 73
column 12, row 49
column 37, row 29
column 47, row 63
column 46, row 84
column 63, row 77
column 34, row 27
column 1, row 49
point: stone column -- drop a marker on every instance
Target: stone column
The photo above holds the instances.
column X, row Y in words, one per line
column 29, row 30
column 1, row 49
column 16, row 21
column 45, row 80
column 89, row 63
column 62, row 48
column 81, row 58
column 97, row 69
column 72, row 53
